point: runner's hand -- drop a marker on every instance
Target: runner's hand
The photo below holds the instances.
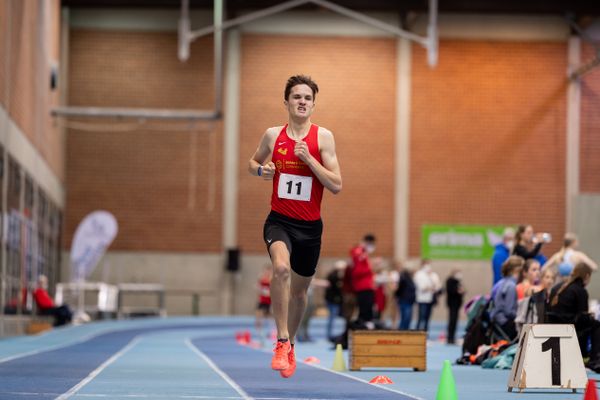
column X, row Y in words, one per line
column 268, row 170
column 301, row 151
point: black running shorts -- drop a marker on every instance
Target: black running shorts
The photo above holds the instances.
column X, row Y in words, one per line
column 266, row 308
column 302, row 239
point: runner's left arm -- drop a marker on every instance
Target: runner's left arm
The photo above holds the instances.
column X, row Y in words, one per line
column 329, row 172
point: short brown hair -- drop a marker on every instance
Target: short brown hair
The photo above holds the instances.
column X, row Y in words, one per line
column 300, row 80
column 511, row 264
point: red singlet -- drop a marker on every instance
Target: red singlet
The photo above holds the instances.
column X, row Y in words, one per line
column 264, row 296
column 297, row 192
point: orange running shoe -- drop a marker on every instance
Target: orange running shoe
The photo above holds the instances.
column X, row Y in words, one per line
column 289, row 371
column 280, row 358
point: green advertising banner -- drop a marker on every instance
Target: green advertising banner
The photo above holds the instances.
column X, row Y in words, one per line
column 459, row 242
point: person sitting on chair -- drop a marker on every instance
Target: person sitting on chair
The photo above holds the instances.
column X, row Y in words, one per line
column 569, row 305
column 45, row 305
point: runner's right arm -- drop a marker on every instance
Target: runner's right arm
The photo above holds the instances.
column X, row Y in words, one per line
column 262, row 154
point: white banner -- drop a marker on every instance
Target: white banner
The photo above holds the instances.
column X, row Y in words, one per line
column 92, row 237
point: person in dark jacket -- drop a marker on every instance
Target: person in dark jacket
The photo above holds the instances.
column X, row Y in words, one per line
column 454, row 299
column 569, row 305
column 333, row 294
column 405, row 296
column 528, row 245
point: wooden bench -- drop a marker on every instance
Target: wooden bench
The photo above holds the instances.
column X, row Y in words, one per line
column 388, row 349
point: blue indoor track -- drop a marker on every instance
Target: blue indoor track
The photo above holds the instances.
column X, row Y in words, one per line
column 198, row 358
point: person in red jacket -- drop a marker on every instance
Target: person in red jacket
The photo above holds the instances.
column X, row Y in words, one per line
column 45, row 305
column 263, row 309
column 362, row 276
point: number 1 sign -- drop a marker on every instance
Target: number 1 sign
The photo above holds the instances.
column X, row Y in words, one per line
column 548, row 357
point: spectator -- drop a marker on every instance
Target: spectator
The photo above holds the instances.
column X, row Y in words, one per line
column 428, row 285
column 568, row 256
column 45, row 305
column 532, row 310
column 348, row 306
column 333, row 294
column 502, row 252
column 569, row 305
column 528, row 245
column 454, row 299
column 530, row 275
column 541, row 258
column 263, row 309
column 362, row 277
column 382, row 279
column 504, row 310
column 405, row 296
column 542, row 293
column 391, row 310
column 12, row 305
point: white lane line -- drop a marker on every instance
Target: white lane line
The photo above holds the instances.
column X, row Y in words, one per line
column 98, row 370
column 218, row 370
column 412, row 396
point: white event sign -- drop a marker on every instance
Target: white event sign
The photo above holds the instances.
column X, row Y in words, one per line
column 548, row 357
column 92, row 237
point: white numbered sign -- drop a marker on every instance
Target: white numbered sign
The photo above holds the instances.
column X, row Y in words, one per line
column 548, row 357
column 294, row 187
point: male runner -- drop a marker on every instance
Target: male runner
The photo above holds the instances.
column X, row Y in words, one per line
column 302, row 162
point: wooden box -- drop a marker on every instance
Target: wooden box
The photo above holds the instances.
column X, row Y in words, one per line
column 387, row 349
column 35, row 327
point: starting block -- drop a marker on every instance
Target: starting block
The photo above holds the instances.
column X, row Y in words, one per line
column 387, row 349
column 548, row 357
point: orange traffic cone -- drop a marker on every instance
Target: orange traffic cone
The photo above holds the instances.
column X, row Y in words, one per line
column 591, row 393
column 381, row 380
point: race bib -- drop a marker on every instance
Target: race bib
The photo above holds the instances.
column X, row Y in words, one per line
column 294, row 187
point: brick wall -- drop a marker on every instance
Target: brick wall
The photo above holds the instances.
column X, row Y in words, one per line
column 21, row 70
column 356, row 102
column 4, row 31
column 146, row 176
column 590, row 126
column 24, row 85
column 488, row 136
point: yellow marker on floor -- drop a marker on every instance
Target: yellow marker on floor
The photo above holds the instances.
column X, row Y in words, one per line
column 338, row 363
